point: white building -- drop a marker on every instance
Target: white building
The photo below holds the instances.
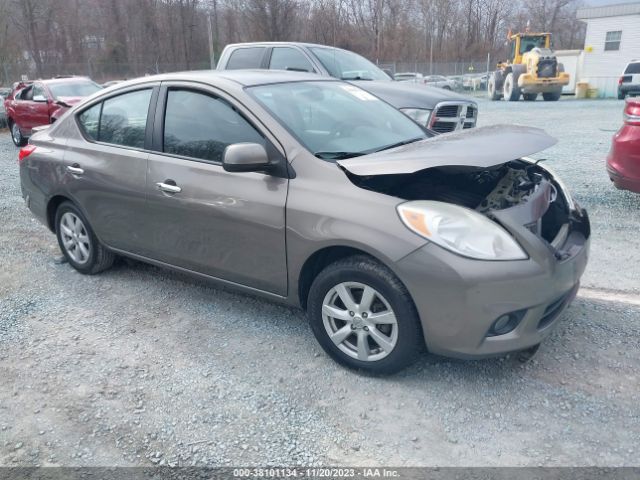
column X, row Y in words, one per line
column 612, row 40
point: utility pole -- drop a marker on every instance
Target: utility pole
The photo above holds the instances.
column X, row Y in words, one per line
column 212, row 55
column 430, row 53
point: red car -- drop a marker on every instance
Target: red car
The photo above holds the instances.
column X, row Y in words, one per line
column 41, row 102
column 623, row 162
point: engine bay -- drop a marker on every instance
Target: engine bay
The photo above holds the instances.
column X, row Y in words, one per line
column 485, row 190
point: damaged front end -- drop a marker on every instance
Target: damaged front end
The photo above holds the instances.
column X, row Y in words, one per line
column 518, row 194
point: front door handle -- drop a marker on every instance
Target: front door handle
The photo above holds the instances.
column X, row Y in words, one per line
column 167, row 187
column 75, row 169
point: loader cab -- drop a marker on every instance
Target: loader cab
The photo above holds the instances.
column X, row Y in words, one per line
column 522, row 43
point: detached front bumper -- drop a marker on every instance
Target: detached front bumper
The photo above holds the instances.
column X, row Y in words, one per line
column 459, row 299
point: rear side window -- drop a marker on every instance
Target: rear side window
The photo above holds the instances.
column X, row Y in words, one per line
column 119, row 120
column 286, row 58
column 201, row 126
column 245, row 58
column 633, row 68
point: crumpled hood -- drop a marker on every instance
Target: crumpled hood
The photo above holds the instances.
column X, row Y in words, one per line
column 482, row 147
column 70, row 100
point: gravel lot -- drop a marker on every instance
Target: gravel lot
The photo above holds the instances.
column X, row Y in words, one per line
column 140, row 366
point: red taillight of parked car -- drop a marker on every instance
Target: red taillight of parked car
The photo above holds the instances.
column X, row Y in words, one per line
column 620, row 80
column 632, row 112
column 25, row 152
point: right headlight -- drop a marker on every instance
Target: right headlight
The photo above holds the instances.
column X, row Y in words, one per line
column 418, row 115
column 460, row 230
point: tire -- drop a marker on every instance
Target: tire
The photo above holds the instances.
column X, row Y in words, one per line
column 78, row 243
column 16, row 135
column 446, row 87
column 402, row 341
column 493, row 88
column 552, row 96
column 529, row 97
column 511, row 89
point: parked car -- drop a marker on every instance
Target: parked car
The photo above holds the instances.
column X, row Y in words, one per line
column 32, row 104
column 4, row 93
column 408, row 77
column 316, row 193
column 439, row 81
column 623, row 162
column 440, row 111
column 629, row 83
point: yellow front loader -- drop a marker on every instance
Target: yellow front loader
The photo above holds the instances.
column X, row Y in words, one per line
column 532, row 69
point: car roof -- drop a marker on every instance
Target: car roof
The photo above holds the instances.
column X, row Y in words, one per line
column 276, row 44
column 245, row 78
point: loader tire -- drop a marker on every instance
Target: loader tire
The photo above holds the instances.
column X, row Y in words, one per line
column 529, row 97
column 552, row 96
column 511, row 89
column 493, row 87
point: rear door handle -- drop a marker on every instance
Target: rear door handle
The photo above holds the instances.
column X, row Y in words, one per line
column 167, row 187
column 75, row 169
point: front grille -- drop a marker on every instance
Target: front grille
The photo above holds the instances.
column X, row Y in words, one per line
column 452, row 116
column 443, row 127
column 448, row 111
column 547, row 68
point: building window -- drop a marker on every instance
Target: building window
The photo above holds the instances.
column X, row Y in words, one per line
column 612, row 41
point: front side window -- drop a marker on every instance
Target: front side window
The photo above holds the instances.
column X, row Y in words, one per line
column 336, row 120
column 347, row 65
column 201, row 126
column 287, row 58
column 245, row 58
column 612, row 41
column 38, row 92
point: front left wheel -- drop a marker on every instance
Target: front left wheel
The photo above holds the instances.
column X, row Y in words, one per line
column 78, row 243
column 363, row 316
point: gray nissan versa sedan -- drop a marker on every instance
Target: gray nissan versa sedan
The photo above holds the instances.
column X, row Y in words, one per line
column 317, row 193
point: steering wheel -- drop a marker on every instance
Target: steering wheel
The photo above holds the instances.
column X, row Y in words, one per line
column 341, row 129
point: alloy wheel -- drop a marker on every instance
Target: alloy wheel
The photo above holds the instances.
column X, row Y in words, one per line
column 360, row 321
column 75, row 238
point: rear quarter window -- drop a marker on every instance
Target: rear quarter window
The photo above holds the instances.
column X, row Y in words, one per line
column 633, row 68
column 245, row 58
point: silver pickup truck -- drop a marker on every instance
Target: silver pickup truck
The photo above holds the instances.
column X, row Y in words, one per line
column 437, row 109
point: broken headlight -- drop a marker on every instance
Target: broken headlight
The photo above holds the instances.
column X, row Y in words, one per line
column 460, row 230
column 418, row 115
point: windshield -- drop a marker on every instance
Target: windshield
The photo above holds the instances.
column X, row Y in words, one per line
column 73, row 89
column 348, row 65
column 529, row 43
column 335, row 120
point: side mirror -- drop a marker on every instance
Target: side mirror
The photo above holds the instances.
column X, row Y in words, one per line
column 39, row 98
column 245, row 157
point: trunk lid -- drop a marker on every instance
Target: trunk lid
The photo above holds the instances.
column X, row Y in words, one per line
column 482, row 147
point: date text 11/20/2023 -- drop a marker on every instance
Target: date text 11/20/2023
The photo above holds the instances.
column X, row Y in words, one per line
column 317, row 472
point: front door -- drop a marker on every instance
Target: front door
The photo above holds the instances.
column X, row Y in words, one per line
column 202, row 218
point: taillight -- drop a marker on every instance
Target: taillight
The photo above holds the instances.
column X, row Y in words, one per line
column 25, row 152
column 632, row 112
column 620, row 80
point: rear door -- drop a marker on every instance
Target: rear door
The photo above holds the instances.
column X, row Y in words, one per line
column 106, row 165
column 200, row 217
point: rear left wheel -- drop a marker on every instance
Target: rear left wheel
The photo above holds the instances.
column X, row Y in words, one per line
column 78, row 243
column 552, row 96
column 16, row 135
column 363, row 316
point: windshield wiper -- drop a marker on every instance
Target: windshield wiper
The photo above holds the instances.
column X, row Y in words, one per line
column 398, row 144
column 338, row 155
column 356, row 78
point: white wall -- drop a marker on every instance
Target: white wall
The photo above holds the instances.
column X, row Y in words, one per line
column 602, row 69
